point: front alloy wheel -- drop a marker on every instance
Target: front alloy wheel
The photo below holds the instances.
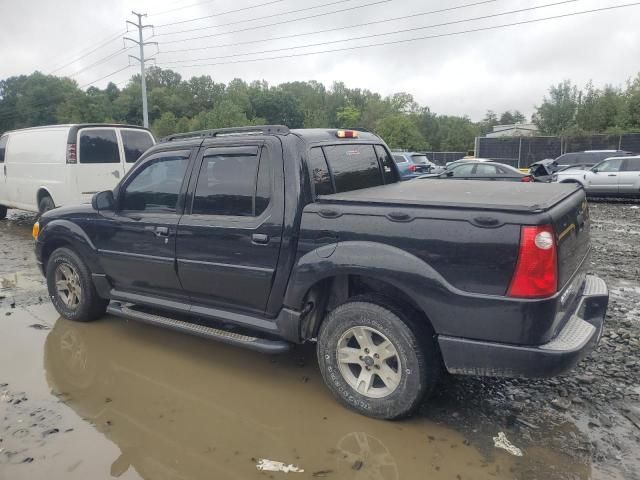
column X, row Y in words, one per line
column 68, row 285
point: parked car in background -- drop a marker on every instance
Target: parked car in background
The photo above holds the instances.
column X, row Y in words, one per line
column 617, row 176
column 482, row 170
column 263, row 236
column 543, row 170
column 46, row 167
column 412, row 164
column 588, row 157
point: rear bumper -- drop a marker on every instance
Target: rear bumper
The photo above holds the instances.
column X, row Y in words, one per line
column 580, row 335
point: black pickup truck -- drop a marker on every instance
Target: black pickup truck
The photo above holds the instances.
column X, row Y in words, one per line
column 265, row 237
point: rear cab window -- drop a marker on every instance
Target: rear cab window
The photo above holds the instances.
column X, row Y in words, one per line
column 346, row 167
column 135, row 143
column 98, row 145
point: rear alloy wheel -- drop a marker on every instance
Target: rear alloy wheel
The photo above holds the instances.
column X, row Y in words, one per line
column 46, row 204
column 71, row 288
column 376, row 358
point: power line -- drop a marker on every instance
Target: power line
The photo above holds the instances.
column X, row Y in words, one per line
column 251, row 7
column 106, row 76
column 408, row 40
column 102, row 44
column 98, row 62
column 180, row 8
column 376, row 22
column 282, row 22
column 365, row 37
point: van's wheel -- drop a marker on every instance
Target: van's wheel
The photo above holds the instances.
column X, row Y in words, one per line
column 3, row 212
column 71, row 289
column 46, row 204
column 376, row 359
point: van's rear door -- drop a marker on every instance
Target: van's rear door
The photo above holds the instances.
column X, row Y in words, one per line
column 99, row 166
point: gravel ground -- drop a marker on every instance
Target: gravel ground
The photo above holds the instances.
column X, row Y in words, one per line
column 593, row 413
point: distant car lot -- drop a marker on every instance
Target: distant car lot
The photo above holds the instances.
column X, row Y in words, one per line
column 481, row 169
column 412, row 164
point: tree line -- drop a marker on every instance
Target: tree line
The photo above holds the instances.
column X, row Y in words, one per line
column 178, row 105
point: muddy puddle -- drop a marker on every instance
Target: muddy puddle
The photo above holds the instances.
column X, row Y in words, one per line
column 118, row 399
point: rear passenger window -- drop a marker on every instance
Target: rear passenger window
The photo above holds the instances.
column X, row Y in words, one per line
column 227, row 185
column 3, row 147
column 99, row 146
column 319, row 172
column 630, row 164
column 388, row 167
column 135, row 143
column 353, row 166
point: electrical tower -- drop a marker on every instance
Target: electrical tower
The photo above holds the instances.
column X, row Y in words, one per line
column 141, row 43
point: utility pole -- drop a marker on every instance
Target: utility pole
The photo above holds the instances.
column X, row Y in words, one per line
column 141, row 43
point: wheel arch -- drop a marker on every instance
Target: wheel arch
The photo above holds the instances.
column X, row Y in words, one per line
column 320, row 284
column 63, row 233
column 41, row 193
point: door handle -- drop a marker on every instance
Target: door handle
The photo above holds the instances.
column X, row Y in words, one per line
column 612, row 175
column 260, row 238
column 161, row 232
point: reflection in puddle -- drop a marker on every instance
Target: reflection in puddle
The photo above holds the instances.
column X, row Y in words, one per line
column 182, row 407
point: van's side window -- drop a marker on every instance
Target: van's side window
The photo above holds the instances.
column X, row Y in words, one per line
column 156, row 186
column 99, row 146
column 135, row 143
column 3, row 147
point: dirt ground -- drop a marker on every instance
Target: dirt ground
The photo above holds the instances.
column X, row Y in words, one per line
column 118, row 399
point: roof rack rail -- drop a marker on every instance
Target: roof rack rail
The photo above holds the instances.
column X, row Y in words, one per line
column 255, row 129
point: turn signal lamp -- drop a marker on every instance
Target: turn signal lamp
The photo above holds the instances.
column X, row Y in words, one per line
column 35, row 231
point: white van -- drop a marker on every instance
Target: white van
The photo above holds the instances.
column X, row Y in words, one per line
column 46, row 167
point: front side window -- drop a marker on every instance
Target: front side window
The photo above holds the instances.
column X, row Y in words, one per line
column 99, row 146
column 227, row 185
column 156, row 186
column 353, row 167
column 3, row 147
column 612, row 165
column 135, row 143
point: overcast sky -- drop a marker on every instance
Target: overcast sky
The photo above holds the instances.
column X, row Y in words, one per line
column 508, row 68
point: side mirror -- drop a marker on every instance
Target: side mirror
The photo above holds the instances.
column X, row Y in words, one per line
column 594, row 170
column 449, row 174
column 103, row 201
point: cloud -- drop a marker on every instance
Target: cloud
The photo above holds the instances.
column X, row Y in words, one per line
column 509, row 68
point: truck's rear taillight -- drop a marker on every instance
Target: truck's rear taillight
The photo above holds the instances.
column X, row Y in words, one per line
column 536, row 274
column 71, row 153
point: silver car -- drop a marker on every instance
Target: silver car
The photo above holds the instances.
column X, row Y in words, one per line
column 617, row 176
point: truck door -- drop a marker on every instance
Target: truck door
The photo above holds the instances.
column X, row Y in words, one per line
column 137, row 241
column 229, row 237
column 629, row 177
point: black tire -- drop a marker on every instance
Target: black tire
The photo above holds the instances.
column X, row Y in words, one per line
column 46, row 204
column 416, row 348
column 86, row 306
column 3, row 212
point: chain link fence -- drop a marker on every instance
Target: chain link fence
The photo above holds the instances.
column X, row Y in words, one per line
column 523, row 151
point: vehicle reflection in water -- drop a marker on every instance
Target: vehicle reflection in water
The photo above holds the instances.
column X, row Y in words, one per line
column 182, row 407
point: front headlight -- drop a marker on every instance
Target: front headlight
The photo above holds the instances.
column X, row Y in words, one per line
column 35, row 231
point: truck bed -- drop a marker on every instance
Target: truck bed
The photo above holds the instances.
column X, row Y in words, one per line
column 467, row 194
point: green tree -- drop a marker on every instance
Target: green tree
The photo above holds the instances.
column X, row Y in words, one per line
column 401, row 131
column 558, row 110
column 347, row 116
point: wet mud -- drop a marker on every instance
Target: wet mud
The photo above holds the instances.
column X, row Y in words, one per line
column 118, row 399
